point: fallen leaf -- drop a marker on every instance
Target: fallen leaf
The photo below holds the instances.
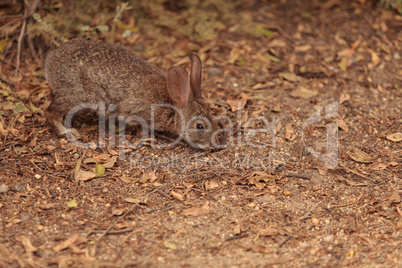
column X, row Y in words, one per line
column 395, row 137
column 292, row 77
column 131, row 200
column 302, row 92
column 99, row 170
column 177, row 195
column 27, row 244
column 84, row 175
column 360, row 156
column 196, row 212
column 72, row 203
column 395, row 197
column 259, row 248
column 374, row 57
column 128, row 179
column 236, row 105
column 344, row 97
column 170, row 245
column 342, row 124
column 67, row 243
column 268, row 231
column 118, row 212
column 90, row 160
column 111, row 162
column 289, row 132
column 237, row 229
column 211, row 185
column 150, row 176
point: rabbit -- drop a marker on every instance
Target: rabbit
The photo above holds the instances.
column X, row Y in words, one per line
column 83, row 71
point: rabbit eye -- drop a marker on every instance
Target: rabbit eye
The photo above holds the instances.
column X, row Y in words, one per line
column 200, row 127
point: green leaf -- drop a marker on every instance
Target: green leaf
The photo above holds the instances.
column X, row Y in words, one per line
column 5, row 93
column 99, row 170
column 342, row 65
column 72, row 203
column 126, row 33
column 263, row 31
column 85, row 28
column 103, row 28
column 19, row 107
column 273, row 58
column 170, row 245
column 35, row 109
column 36, row 16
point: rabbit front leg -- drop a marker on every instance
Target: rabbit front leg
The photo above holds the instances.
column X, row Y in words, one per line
column 55, row 119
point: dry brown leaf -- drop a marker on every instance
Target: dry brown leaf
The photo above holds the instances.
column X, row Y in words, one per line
column 344, row 97
column 292, row 77
column 302, row 92
column 237, row 229
column 395, row 137
column 289, row 132
column 196, row 212
column 110, row 163
column 131, row 200
column 66, row 243
column 360, row 156
column 268, row 231
column 374, row 57
column 27, row 244
column 84, row 175
column 236, row 105
column 303, row 48
column 150, row 176
column 349, row 182
column 128, row 179
column 259, row 248
column 118, row 212
column 178, row 196
column 342, row 124
column 211, row 185
column 395, row 197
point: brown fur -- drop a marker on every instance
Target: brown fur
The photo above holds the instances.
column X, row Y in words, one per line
column 82, row 71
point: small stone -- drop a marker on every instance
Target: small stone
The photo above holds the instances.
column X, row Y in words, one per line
column 4, row 188
column 397, row 56
column 18, row 187
column 38, row 176
column 304, row 244
column 328, row 238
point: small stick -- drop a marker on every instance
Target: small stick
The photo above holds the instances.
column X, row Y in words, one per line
column 235, row 237
column 296, row 175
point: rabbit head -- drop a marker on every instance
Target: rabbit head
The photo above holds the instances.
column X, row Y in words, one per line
column 193, row 121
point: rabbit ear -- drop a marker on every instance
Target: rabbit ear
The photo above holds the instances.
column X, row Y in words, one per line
column 195, row 75
column 178, row 86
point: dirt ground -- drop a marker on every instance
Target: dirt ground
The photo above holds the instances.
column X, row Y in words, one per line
column 321, row 187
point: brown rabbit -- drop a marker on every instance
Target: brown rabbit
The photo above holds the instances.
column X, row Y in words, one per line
column 82, row 71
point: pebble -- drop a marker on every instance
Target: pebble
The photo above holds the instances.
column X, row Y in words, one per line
column 328, row 238
column 4, row 188
column 18, row 187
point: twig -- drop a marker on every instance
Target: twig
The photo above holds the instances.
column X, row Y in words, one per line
column 347, row 205
column 296, row 175
column 285, row 240
column 24, row 24
column 235, row 237
column 124, row 230
column 29, row 10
